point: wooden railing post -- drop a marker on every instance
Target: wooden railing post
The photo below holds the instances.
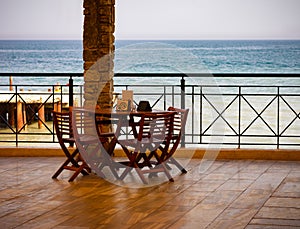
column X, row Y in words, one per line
column 41, row 115
column 20, row 120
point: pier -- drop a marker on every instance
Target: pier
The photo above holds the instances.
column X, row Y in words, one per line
column 22, row 106
column 18, row 109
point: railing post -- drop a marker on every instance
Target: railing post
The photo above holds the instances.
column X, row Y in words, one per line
column 182, row 95
column 16, row 119
column 71, row 93
column 201, row 113
column 182, row 92
column 239, row 116
column 278, row 118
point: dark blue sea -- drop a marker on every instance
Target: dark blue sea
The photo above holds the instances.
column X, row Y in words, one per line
column 213, row 56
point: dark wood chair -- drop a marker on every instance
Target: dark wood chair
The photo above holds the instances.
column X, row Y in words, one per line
column 64, row 132
column 153, row 130
column 180, row 119
column 168, row 150
column 92, row 143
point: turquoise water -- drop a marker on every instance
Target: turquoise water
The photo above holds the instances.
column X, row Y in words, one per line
column 214, row 56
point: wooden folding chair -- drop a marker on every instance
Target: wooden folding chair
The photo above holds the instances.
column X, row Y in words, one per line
column 166, row 156
column 153, row 130
column 64, row 133
column 180, row 119
column 91, row 143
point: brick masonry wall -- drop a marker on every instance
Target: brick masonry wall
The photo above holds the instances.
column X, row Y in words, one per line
column 98, row 49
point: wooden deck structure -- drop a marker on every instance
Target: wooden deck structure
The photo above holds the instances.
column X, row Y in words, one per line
column 14, row 107
column 229, row 194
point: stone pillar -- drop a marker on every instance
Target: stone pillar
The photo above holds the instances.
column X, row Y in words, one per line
column 98, row 48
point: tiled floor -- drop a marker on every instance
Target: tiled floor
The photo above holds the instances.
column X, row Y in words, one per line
column 227, row 194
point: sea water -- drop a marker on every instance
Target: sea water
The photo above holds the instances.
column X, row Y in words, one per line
column 213, row 56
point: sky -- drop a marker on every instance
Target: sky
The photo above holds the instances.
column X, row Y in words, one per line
column 156, row 19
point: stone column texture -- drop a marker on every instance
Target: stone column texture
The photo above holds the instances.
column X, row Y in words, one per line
column 98, row 49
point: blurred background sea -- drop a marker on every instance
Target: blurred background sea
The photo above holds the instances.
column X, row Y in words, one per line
column 214, row 56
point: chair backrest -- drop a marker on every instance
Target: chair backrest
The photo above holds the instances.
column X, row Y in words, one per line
column 180, row 119
column 84, row 124
column 156, row 127
column 63, row 125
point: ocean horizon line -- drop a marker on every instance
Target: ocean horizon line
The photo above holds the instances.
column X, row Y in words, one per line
column 166, row 39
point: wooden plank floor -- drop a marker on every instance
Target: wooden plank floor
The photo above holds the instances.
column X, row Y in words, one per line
column 228, row 194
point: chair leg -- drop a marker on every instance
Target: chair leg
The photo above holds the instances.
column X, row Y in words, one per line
column 86, row 169
column 112, row 169
column 141, row 175
column 79, row 170
column 73, row 167
column 179, row 166
column 137, row 169
column 172, row 161
column 62, row 167
column 164, row 168
column 146, row 161
column 167, row 173
column 132, row 165
column 126, row 171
